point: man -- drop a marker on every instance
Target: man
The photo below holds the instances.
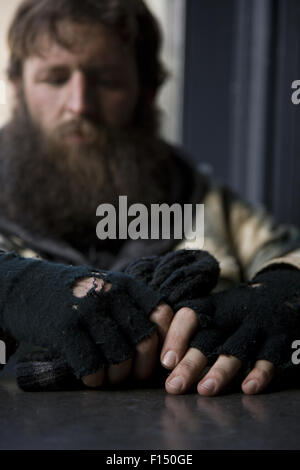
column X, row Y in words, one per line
column 84, row 131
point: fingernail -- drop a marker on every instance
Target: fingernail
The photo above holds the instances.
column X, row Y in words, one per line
column 251, row 386
column 209, row 385
column 170, row 359
column 176, row 383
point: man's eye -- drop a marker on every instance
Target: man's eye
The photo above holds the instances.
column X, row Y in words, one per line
column 106, row 82
column 56, row 81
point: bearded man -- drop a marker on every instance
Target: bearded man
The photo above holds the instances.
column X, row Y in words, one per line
column 85, row 131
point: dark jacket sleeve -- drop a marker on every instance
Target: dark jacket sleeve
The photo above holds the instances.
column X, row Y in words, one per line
column 8, row 345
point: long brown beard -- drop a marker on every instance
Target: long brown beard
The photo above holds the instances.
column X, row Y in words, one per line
column 54, row 190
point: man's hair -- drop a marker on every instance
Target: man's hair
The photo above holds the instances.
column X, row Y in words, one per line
column 131, row 19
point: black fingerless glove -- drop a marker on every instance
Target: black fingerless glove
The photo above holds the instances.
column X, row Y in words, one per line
column 178, row 277
column 255, row 320
column 37, row 306
column 181, row 277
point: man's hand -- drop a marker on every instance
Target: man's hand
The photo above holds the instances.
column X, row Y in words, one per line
column 175, row 333
column 187, row 364
column 142, row 366
column 147, row 351
column 82, row 324
column 255, row 321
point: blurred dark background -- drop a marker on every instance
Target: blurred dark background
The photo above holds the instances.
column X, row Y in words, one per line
column 241, row 57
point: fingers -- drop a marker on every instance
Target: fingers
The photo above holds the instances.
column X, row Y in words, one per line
column 259, row 377
column 145, row 359
column 182, row 328
column 187, row 372
column 94, row 380
column 162, row 316
column 190, row 368
column 146, row 356
column 219, row 375
column 116, row 374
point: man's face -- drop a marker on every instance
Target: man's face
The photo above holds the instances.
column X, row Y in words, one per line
column 73, row 94
column 74, row 140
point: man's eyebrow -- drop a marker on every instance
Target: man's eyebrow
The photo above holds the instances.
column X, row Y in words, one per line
column 94, row 69
column 52, row 69
column 102, row 68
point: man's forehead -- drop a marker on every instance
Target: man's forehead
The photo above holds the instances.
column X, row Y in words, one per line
column 85, row 43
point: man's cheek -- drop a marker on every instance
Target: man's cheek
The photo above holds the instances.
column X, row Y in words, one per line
column 118, row 108
column 45, row 107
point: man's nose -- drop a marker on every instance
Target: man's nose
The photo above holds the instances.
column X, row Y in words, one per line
column 78, row 101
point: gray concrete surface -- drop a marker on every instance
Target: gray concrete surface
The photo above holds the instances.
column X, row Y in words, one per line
column 146, row 419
